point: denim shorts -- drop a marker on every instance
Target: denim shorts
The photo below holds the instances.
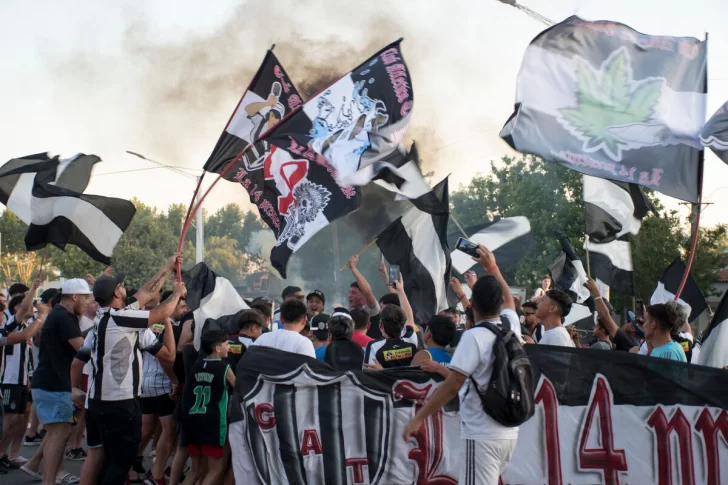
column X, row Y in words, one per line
column 53, row 407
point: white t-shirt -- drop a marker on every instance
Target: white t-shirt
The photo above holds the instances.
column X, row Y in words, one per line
column 288, row 341
column 474, row 357
column 557, row 336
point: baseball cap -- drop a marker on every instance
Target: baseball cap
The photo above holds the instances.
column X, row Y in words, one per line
column 318, row 293
column 320, row 326
column 106, row 285
column 48, row 295
column 75, row 286
column 289, row 290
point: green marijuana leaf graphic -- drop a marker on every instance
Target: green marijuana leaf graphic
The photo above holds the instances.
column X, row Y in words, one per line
column 608, row 98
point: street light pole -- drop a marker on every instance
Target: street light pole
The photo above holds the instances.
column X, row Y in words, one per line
column 199, row 230
column 199, row 221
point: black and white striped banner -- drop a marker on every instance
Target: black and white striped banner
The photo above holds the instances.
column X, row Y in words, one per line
column 602, row 417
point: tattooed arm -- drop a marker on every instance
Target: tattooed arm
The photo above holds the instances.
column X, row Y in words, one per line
column 148, row 290
column 167, row 307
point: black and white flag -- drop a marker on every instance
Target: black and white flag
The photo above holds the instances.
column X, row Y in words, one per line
column 60, row 216
column 270, row 97
column 508, row 239
column 568, row 274
column 606, row 100
column 612, row 210
column 691, row 298
column 713, row 350
column 715, row 133
column 357, row 123
column 18, row 174
column 399, row 172
column 611, row 265
column 417, row 242
column 210, row 297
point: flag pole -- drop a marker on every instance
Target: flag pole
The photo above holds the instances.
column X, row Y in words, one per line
column 457, row 224
column 696, row 208
column 360, row 253
column 586, row 247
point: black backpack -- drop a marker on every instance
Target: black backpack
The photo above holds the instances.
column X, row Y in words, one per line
column 509, row 397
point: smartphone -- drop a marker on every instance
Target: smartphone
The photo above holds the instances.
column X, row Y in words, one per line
column 639, row 309
column 467, row 246
column 393, row 273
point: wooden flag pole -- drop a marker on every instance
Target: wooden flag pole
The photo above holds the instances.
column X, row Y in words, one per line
column 457, row 224
column 360, row 253
column 42, row 259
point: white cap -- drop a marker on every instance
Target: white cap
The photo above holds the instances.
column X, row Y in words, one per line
column 76, row 286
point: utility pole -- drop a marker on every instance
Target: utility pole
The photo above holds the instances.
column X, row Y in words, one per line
column 199, row 230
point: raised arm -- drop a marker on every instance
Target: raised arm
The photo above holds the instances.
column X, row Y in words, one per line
column 404, row 302
column 25, row 309
column 382, row 270
column 602, row 310
column 168, row 352
column 487, row 261
column 457, row 287
column 147, row 291
column 361, row 281
column 167, row 307
column 254, row 108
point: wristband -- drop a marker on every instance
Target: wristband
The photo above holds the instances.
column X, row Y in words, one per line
column 495, row 266
column 598, row 298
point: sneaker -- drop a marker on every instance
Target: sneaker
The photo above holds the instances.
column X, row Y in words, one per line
column 19, row 460
column 5, row 461
column 66, row 478
column 76, row 454
column 34, row 441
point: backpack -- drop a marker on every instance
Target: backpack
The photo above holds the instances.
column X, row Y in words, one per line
column 509, row 397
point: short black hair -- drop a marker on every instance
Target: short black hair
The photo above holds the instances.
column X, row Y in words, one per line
column 211, row 339
column 341, row 327
column 249, row 318
column 355, row 285
column 263, row 307
column 442, row 330
column 487, row 298
column 530, row 304
column 292, row 311
column 390, row 299
column 14, row 302
column 562, row 300
column 18, row 288
column 393, row 320
column 469, row 316
column 451, row 311
column 361, row 318
column 666, row 316
column 290, row 290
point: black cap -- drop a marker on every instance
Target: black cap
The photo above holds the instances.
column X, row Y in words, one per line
column 320, row 326
column 106, row 285
column 289, row 290
column 48, row 295
column 318, row 293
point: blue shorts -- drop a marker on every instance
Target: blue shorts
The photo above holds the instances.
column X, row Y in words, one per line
column 53, row 407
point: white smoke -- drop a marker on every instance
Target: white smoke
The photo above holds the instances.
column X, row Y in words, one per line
column 261, row 243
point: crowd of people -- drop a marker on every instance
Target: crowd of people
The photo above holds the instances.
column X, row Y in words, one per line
column 119, row 366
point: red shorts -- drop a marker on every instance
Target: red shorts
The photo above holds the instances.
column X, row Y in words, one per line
column 211, row 451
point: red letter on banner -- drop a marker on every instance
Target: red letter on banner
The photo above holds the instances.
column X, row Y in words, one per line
column 681, row 426
column 358, row 464
column 710, row 430
column 311, row 443
column 546, row 395
column 264, row 416
column 606, row 458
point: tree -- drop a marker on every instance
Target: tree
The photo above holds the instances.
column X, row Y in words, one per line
column 551, row 197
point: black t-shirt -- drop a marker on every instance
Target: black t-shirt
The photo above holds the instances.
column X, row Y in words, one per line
column 374, row 331
column 344, row 354
column 204, row 403
column 53, row 372
column 622, row 341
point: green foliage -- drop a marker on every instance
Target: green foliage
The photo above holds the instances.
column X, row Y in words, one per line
column 551, row 197
column 609, row 103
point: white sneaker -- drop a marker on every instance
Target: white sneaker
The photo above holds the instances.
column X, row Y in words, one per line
column 63, row 478
column 19, row 460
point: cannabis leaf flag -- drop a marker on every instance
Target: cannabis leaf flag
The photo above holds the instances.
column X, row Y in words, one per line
column 608, row 101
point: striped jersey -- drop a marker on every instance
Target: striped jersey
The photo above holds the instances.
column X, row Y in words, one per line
column 155, row 381
column 17, row 360
column 120, row 336
column 393, row 352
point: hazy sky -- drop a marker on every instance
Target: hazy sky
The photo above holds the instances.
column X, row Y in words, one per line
column 161, row 77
